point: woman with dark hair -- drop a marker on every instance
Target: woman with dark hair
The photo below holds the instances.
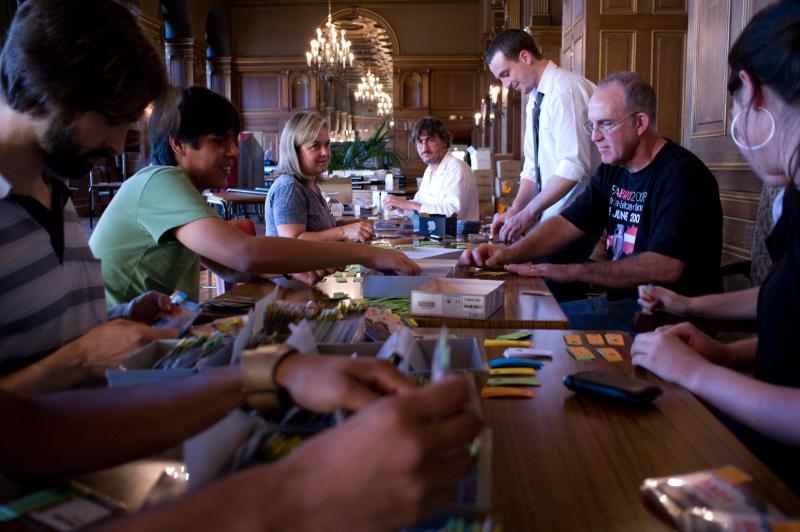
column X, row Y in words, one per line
column 295, row 207
column 765, row 86
column 159, row 227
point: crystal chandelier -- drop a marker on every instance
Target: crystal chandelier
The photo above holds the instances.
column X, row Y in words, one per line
column 329, row 52
column 384, row 105
column 369, row 90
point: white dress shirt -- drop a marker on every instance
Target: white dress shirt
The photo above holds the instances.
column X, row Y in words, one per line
column 451, row 189
column 565, row 149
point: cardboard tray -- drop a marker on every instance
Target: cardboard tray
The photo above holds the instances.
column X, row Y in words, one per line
column 138, row 368
column 458, row 298
column 465, row 354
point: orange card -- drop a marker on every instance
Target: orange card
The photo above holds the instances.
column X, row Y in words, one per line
column 610, row 354
column 503, row 391
column 581, row 353
column 573, row 339
column 595, row 339
column 615, row 339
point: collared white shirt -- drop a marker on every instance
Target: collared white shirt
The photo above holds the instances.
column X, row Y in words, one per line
column 451, row 189
column 565, row 149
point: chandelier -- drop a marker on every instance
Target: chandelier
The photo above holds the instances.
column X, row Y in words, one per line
column 384, row 105
column 329, row 52
column 370, row 89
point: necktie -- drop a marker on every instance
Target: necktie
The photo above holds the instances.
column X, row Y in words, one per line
column 537, row 107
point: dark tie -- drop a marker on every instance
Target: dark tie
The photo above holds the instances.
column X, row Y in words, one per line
column 537, row 107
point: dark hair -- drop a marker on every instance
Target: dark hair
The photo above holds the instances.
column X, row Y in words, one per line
column 511, row 43
column 768, row 49
column 198, row 112
column 639, row 95
column 86, row 55
column 431, row 126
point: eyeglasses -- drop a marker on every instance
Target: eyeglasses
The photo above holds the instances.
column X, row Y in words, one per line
column 604, row 128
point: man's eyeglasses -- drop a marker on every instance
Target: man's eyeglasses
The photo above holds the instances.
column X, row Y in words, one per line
column 605, row 127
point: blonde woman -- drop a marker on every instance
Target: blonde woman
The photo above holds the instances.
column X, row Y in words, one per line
column 295, row 207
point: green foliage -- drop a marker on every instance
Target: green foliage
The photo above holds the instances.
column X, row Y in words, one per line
column 361, row 154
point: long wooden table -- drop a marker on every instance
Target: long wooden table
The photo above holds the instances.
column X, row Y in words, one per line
column 518, row 311
column 568, row 462
column 563, row 461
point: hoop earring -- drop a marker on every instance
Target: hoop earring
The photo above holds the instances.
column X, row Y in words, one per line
column 759, row 146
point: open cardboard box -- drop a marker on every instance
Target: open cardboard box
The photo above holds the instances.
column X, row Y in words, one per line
column 465, row 355
column 457, row 298
column 138, row 368
column 401, row 285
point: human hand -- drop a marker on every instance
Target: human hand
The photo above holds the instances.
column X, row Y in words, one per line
column 485, row 256
column 700, row 342
column 562, row 273
column 497, row 222
column 360, row 231
column 669, row 357
column 402, row 457
column 653, row 297
column 107, row 345
column 394, row 202
column 147, row 307
column 515, row 226
column 392, row 261
column 325, row 383
column 312, row 277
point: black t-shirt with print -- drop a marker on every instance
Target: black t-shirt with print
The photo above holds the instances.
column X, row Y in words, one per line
column 671, row 207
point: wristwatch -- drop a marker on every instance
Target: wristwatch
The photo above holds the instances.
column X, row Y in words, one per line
column 260, row 389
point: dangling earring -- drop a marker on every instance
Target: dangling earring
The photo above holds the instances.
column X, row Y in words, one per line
column 759, row 146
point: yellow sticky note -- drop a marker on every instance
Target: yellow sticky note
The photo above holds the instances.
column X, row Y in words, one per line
column 505, row 391
column 489, row 342
column 527, row 372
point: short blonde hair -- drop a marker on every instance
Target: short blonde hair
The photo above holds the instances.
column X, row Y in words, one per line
column 301, row 128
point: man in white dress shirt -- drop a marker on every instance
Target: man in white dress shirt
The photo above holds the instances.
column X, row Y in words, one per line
column 448, row 185
column 559, row 156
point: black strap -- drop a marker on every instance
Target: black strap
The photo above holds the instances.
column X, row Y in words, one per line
column 537, row 107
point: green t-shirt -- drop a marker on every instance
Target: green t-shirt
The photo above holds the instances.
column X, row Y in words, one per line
column 135, row 239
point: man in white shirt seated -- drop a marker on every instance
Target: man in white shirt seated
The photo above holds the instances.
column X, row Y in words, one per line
column 448, row 185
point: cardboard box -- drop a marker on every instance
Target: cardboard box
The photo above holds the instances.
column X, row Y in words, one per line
column 506, row 187
column 138, row 368
column 481, row 159
column 483, row 177
column 435, row 224
column 507, row 169
column 457, row 298
column 376, row 285
column 465, row 354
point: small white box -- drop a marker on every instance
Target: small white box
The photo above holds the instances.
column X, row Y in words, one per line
column 457, row 298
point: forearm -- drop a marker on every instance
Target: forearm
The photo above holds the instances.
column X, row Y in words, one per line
column 741, row 354
column 260, row 498
column 290, row 255
column 137, row 421
column 230, row 275
column 545, row 239
column 334, row 234
column 58, row 371
column 741, row 304
column 526, row 192
column 557, row 187
column 647, row 267
column 767, row 408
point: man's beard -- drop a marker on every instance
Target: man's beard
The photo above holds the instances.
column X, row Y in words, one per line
column 63, row 153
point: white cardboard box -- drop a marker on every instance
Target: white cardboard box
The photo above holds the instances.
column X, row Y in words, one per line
column 457, row 298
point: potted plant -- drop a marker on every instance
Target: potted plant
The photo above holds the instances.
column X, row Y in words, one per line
column 371, row 153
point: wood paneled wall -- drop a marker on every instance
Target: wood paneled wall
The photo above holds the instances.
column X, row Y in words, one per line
column 645, row 36
column 270, row 90
column 713, row 27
